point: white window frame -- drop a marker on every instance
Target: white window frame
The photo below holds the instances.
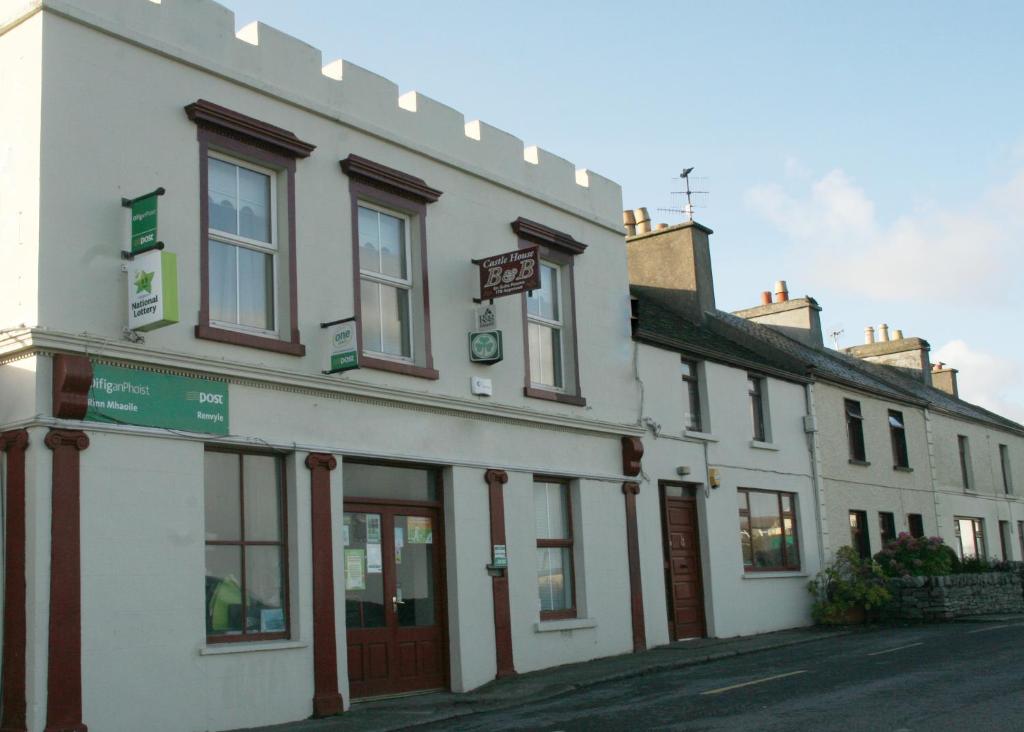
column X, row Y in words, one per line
column 379, row 278
column 558, row 325
column 236, row 240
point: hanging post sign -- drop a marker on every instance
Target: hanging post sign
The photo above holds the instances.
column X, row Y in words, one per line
column 144, row 218
column 152, row 290
column 342, row 350
column 510, row 273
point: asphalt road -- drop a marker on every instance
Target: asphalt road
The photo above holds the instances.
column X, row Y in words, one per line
column 959, row 677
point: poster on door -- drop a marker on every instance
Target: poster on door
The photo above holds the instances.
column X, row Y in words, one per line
column 355, row 576
column 372, row 528
column 374, row 565
column 399, row 543
column 420, row 530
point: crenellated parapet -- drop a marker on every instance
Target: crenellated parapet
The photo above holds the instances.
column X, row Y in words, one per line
column 202, row 33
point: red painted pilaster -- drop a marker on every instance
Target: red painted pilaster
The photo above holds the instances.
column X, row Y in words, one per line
column 495, row 479
column 326, row 699
column 12, row 685
column 632, row 452
column 64, row 657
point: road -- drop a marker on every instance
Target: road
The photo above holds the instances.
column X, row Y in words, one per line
column 962, row 677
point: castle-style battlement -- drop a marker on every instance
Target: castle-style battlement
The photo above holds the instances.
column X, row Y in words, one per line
column 202, row 33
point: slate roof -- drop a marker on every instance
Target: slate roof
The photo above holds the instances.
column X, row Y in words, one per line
column 724, row 337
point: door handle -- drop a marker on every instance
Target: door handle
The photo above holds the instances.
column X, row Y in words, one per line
column 396, row 602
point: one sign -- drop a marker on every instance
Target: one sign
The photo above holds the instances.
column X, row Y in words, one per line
column 510, row 273
column 420, row 530
column 499, row 556
column 152, row 290
column 486, row 317
column 129, row 396
column 342, row 351
column 355, row 572
column 144, row 222
column 485, row 346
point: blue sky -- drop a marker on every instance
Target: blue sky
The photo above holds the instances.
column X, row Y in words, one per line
column 870, row 154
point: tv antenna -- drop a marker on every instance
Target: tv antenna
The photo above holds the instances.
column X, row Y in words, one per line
column 835, row 336
column 686, row 211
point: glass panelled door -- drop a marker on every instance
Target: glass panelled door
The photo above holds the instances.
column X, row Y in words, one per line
column 396, row 639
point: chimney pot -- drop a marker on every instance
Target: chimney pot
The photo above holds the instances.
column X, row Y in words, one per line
column 661, row 227
column 897, row 334
column 781, row 292
column 883, row 333
column 766, row 298
column 643, row 221
column 869, row 336
column 629, row 222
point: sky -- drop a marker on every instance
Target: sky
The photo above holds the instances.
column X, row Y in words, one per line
column 870, row 154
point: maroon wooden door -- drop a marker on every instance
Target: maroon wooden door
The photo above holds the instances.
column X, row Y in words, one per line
column 684, row 586
column 394, row 607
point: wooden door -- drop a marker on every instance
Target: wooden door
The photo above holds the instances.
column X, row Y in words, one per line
column 394, row 607
column 684, row 585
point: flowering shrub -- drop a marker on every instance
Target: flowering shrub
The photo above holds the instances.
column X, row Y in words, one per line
column 906, row 556
column 848, row 584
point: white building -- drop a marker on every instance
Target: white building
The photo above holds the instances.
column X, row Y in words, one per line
column 206, row 520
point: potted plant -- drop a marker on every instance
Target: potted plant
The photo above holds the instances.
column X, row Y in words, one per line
column 847, row 588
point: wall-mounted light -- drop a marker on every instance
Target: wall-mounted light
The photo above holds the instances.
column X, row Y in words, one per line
column 713, row 477
column 683, row 470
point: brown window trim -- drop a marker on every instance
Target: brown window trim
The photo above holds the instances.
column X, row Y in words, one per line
column 568, row 542
column 561, row 249
column 244, row 637
column 745, row 511
column 223, row 129
column 375, row 183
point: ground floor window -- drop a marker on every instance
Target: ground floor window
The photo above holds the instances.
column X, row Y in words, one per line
column 553, row 519
column 768, row 530
column 886, row 527
column 970, row 535
column 915, row 522
column 246, row 543
column 859, row 538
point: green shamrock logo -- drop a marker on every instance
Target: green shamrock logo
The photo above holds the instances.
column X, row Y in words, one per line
column 144, row 282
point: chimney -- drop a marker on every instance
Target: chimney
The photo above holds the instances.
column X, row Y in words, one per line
column 944, row 378
column 643, row 221
column 869, row 335
column 676, row 260
column 907, row 354
column 629, row 222
column 799, row 319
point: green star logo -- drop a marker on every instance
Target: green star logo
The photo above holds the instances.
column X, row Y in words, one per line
column 143, row 282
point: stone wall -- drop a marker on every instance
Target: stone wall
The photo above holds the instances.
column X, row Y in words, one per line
column 953, row 596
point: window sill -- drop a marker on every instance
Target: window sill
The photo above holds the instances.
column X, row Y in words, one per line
column 863, row 463
column 547, row 626
column 774, row 574
column 236, row 338
column 409, row 369
column 699, row 436
column 221, row 649
column 759, row 445
column 554, row 396
column 903, row 468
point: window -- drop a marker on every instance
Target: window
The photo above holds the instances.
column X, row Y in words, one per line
column 248, row 293
column 389, row 251
column 1004, row 461
column 549, row 316
column 553, row 514
column 915, row 522
column 755, row 389
column 1004, row 539
column 691, row 397
column 970, row 535
column 965, row 462
column 855, row 431
column 898, row 437
column 768, row 537
column 859, row 538
column 246, row 556
column 886, row 527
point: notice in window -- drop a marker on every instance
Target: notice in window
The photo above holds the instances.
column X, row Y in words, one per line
column 420, row 530
column 373, row 528
column 374, row 565
column 355, row 576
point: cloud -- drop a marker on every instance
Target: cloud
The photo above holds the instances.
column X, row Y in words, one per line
column 987, row 380
column 928, row 253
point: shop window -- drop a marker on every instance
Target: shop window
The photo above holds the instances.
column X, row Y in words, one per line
column 248, row 292
column 390, row 273
column 549, row 316
column 768, row 530
column 691, row 396
column 855, row 431
column 555, row 577
column 246, row 547
column 898, row 438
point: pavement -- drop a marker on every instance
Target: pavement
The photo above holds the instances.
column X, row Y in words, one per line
column 406, row 712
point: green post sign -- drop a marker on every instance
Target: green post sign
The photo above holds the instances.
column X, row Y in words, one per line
column 131, row 396
column 144, row 218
